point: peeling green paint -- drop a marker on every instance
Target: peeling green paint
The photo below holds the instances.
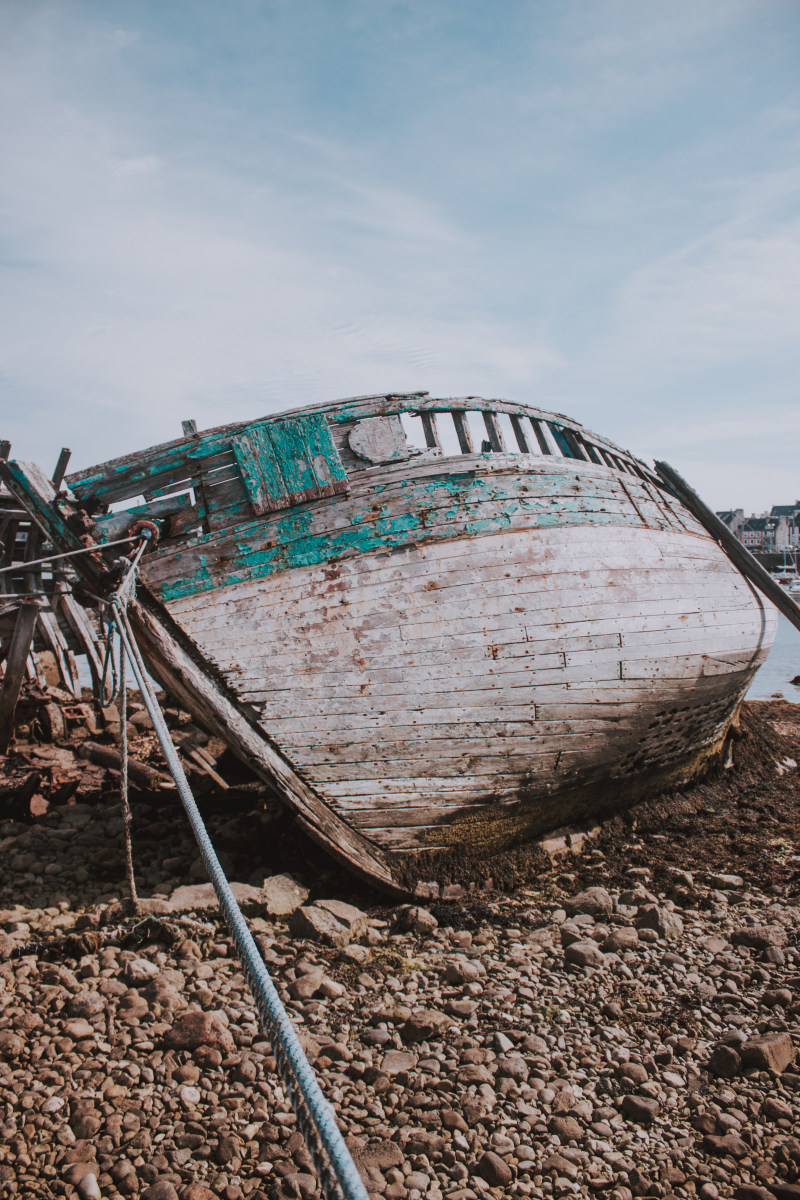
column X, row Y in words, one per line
column 396, row 514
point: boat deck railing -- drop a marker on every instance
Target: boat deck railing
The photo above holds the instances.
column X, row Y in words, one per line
column 472, row 431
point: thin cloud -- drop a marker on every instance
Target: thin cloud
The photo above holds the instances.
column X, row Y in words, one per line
column 141, row 164
column 585, row 207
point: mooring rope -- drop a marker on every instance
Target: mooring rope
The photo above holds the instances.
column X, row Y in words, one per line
column 337, row 1173
column 127, row 815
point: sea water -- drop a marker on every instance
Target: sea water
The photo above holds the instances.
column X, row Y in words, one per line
column 782, row 666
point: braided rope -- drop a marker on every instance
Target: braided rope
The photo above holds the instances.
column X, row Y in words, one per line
column 337, row 1173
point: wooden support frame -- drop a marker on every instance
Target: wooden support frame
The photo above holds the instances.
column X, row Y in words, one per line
column 16, row 661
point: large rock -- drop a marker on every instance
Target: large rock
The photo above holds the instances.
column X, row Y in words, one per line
column 777, row 996
column 153, row 906
column 318, row 925
column 494, row 1170
column 475, row 1073
column 306, row 986
column 354, row 920
column 162, row 1189
column 619, row 940
column 140, row 970
column 567, row 1127
column 785, row 1191
column 512, row 1066
column 724, row 1146
column 309, row 1044
column 77, row 1028
column 380, row 1155
column 464, row 970
column 410, row 918
column 195, row 1029
column 640, row 1109
column 725, row 883
column 395, row 1062
column 770, row 1052
column 89, row 1188
column 775, row 1109
column 595, row 900
column 635, row 897
column 164, row 991
column 11, row 1044
column 85, row 1121
column 584, row 953
column 665, row 923
column 86, row 1004
column 195, row 897
column 725, row 1062
column 422, row 1026
column 760, row 937
column 283, row 895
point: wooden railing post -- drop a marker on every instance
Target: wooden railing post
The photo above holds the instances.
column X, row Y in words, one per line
column 15, row 668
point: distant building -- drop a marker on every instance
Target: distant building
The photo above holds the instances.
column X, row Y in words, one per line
column 787, row 525
column 776, row 530
column 734, row 519
column 756, row 533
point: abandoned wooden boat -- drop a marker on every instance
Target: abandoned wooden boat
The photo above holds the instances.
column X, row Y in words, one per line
column 428, row 623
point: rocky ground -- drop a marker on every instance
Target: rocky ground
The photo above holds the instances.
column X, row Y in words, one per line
column 623, row 1021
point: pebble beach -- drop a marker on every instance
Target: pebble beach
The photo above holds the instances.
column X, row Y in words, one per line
column 621, row 1020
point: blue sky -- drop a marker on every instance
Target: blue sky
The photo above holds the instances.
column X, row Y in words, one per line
column 221, row 210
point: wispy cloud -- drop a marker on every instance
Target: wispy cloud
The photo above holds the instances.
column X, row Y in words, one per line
column 593, row 207
column 136, row 164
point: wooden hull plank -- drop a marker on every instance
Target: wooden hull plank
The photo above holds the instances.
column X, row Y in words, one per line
column 377, row 679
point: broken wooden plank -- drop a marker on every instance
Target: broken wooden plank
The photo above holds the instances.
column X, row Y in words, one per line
column 106, row 756
column 289, row 462
column 208, row 768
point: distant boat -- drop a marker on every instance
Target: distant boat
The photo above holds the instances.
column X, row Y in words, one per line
column 431, row 625
column 787, row 575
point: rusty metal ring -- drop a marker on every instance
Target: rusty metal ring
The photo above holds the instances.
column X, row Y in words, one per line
column 138, row 527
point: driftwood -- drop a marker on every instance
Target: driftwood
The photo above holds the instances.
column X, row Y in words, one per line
column 15, row 800
column 107, row 756
column 203, row 762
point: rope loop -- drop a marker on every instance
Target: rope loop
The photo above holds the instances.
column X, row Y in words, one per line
column 109, row 607
column 108, row 626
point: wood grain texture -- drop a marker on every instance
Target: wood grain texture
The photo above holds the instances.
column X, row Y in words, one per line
column 406, row 704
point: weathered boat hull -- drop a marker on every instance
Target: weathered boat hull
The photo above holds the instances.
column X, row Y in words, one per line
column 456, row 647
column 509, row 670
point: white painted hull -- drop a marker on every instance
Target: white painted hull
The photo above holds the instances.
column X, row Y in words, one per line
column 418, row 687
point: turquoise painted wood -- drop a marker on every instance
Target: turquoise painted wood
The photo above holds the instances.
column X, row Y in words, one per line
column 113, row 525
column 283, row 463
column 261, row 475
column 413, row 511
